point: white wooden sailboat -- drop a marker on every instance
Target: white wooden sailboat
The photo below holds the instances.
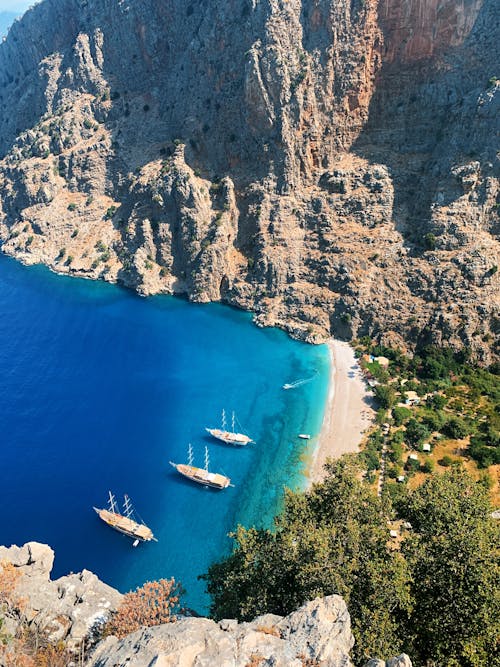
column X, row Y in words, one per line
column 125, row 523
column 201, row 475
column 229, row 437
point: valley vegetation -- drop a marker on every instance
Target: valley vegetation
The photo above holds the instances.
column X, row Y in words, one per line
column 417, row 563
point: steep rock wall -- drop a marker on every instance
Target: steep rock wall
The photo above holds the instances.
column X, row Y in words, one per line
column 331, row 165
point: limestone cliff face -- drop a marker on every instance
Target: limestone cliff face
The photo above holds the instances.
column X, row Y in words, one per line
column 329, row 164
column 74, row 609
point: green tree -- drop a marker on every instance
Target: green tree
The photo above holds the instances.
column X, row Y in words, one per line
column 453, row 556
column 385, row 395
column 400, row 414
column 436, row 401
column 430, row 241
column 456, row 428
column 416, row 432
column 332, row 539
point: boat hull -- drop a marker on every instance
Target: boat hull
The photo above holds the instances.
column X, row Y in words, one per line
column 237, row 439
column 202, row 476
column 126, row 526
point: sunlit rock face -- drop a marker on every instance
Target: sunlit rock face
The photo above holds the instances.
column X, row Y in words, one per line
column 330, row 165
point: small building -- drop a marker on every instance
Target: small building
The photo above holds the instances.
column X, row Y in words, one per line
column 411, row 398
column 401, row 479
column 426, row 447
column 382, row 361
column 413, row 457
column 393, row 534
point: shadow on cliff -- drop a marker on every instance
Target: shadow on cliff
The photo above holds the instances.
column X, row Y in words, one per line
column 423, row 120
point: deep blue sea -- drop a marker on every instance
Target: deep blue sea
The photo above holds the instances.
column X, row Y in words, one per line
column 100, row 388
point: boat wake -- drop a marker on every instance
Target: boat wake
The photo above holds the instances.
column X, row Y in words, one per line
column 298, row 383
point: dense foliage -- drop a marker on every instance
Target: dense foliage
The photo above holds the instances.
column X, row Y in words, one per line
column 462, row 399
column 435, row 597
column 452, row 554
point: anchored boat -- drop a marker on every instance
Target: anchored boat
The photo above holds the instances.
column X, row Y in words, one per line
column 201, row 475
column 125, row 523
column 229, row 437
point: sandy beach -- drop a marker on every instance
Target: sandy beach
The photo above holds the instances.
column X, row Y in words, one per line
column 348, row 411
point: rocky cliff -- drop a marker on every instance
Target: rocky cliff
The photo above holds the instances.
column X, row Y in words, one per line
column 73, row 609
column 330, row 165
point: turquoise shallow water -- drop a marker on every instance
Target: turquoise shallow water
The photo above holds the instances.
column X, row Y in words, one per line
column 100, row 388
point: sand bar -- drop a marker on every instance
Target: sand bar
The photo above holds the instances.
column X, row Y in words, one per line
column 348, row 410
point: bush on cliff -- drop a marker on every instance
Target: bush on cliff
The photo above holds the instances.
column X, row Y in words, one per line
column 154, row 603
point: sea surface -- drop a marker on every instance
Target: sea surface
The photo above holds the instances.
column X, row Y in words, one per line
column 100, row 389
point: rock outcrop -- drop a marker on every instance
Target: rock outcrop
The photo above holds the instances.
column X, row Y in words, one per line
column 70, row 608
column 317, row 633
column 330, row 165
column 73, row 609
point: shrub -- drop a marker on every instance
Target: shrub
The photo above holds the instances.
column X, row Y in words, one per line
column 74, row 233
column 396, row 452
column 446, row 461
column 100, row 246
column 412, row 465
column 110, row 212
column 62, row 253
column 385, row 395
column 436, row 401
column 456, row 428
column 400, row 415
column 430, row 241
column 154, row 603
column 416, row 432
column 483, row 453
column 72, row 206
column 434, row 420
column 428, row 466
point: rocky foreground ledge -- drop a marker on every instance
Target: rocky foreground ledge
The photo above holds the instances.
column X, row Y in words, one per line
column 74, row 608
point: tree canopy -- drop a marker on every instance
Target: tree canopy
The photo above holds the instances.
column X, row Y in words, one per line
column 435, row 597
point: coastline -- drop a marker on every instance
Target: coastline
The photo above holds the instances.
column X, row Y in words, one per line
column 348, row 410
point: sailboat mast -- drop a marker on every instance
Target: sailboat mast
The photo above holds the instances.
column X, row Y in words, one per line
column 206, row 458
column 112, row 504
column 127, row 506
column 223, row 419
column 232, row 421
column 190, row 454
